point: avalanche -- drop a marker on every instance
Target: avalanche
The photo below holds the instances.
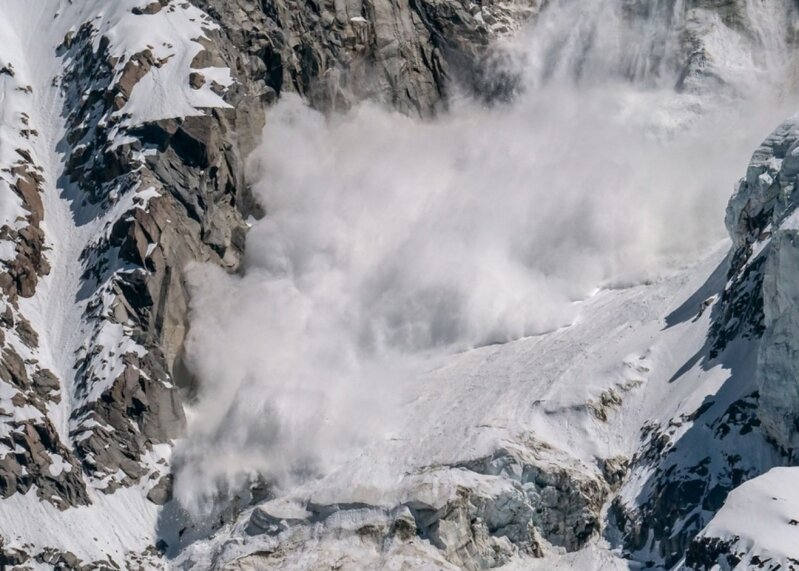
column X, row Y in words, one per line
column 415, row 362
column 511, row 336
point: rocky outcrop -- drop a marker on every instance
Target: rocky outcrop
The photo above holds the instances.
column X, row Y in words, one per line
column 133, row 292
column 23, row 272
column 32, row 454
column 405, row 54
column 172, row 191
column 751, row 424
column 151, row 192
column 690, row 467
column 760, row 299
column 704, row 65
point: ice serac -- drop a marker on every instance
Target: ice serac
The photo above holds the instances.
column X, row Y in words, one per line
column 478, row 514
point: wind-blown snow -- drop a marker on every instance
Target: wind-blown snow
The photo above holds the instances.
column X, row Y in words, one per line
column 420, row 294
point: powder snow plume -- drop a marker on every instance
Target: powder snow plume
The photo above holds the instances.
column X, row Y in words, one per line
column 388, row 240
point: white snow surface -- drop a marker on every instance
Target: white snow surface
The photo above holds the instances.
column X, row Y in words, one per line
column 533, row 392
column 354, row 362
column 115, row 526
column 469, row 404
column 760, row 519
column 171, row 35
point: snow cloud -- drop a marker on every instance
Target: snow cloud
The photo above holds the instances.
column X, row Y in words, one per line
column 389, row 240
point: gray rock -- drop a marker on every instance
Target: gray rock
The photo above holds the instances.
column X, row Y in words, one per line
column 274, row 517
column 161, row 492
column 403, row 54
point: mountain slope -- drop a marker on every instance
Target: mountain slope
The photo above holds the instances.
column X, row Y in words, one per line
column 508, row 449
column 623, row 428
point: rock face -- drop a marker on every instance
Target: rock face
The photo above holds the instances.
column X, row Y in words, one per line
column 762, row 222
column 688, row 469
column 185, row 176
column 170, row 194
column 167, row 191
column 404, row 54
column 751, row 426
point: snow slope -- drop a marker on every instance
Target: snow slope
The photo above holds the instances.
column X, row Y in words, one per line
column 34, row 109
column 391, row 247
column 758, row 522
column 348, row 376
column 541, row 395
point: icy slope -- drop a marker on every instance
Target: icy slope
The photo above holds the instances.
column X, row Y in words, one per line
column 527, row 440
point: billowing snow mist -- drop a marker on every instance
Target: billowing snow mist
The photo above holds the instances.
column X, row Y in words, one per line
column 389, row 241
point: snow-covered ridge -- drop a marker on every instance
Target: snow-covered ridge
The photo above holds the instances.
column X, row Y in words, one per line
column 756, row 527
